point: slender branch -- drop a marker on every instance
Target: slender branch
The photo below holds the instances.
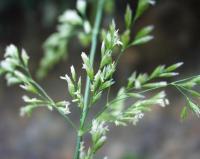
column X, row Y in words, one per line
column 179, row 89
column 66, row 118
column 186, row 79
column 51, row 102
column 87, row 89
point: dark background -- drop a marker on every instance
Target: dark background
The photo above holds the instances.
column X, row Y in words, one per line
column 160, row 135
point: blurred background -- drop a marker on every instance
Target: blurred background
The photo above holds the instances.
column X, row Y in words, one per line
column 45, row 135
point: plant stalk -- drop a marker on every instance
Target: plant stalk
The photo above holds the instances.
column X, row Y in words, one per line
column 87, row 88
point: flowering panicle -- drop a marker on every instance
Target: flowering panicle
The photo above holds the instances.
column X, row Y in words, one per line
column 143, row 36
column 144, row 80
column 121, row 115
column 15, row 68
column 115, row 111
column 103, row 78
column 111, row 39
column 74, row 87
column 98, row 133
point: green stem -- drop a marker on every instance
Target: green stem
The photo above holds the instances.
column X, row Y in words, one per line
column 87, row 89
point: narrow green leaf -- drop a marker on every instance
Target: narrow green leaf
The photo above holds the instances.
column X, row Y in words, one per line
column 106, row 84
column 142, row 6
column 157, row 71
column 112, row 27
column 144, row 31
column 155, row 84
column 196, row 80
column 188, row 84
column 71, row 86
column 27, row 110
column 174, row 67
column 193, row 93
column 128, row 17
column 170, row 74
column 84, row 39
column 131, row 80
column 135, row 95
column 142, row 78
column 73, row 73
column 21, row 76
column 125, row 38
column 81, row 6
column 7, row 66
column 1, row 70
column 25, row 57
column 87, row 66
column 142, row 40
column 87, row 27
column 143, row 36
column 184, row 113
column 11, row 80
column 195, row 108
column 29, row 88
column 96, row 97
column 11, row 51
column 106, row 59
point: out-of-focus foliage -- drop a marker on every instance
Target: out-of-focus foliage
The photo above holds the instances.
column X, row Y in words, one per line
column 71, row 23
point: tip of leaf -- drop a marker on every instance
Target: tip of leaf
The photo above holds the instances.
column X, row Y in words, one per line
column 151, row 27
column 83, row 54
column 180, row 64
column 152, row 2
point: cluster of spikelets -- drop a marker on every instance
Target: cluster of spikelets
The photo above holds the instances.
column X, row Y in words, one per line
column 15, row 68
column 98, row 135
column 114, row 111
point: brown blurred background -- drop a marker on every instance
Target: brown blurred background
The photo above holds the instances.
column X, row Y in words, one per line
column 45, row 135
